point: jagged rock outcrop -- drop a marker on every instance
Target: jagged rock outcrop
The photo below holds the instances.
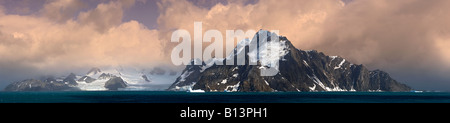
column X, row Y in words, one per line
column 115, row 83
column 71, row 79
column 86, row 79
column 106, row 76
column 190, row 75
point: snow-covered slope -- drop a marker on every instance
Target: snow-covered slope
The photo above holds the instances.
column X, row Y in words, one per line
column 135, row 78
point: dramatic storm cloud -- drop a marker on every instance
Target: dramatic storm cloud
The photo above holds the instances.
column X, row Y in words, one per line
column 410, row 39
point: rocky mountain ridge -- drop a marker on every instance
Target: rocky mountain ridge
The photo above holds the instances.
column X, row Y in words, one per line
column 299, row 70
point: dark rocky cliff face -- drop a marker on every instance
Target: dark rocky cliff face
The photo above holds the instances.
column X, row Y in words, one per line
column 298, row 71
column 190, row 75
column 115, row 83
column 71, row 79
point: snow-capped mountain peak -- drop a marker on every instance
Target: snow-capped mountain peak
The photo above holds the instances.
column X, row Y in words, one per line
column 299, row 70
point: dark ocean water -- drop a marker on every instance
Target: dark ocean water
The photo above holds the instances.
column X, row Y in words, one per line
column 222, row 97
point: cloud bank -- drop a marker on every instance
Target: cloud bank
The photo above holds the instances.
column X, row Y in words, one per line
column 58, row 39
